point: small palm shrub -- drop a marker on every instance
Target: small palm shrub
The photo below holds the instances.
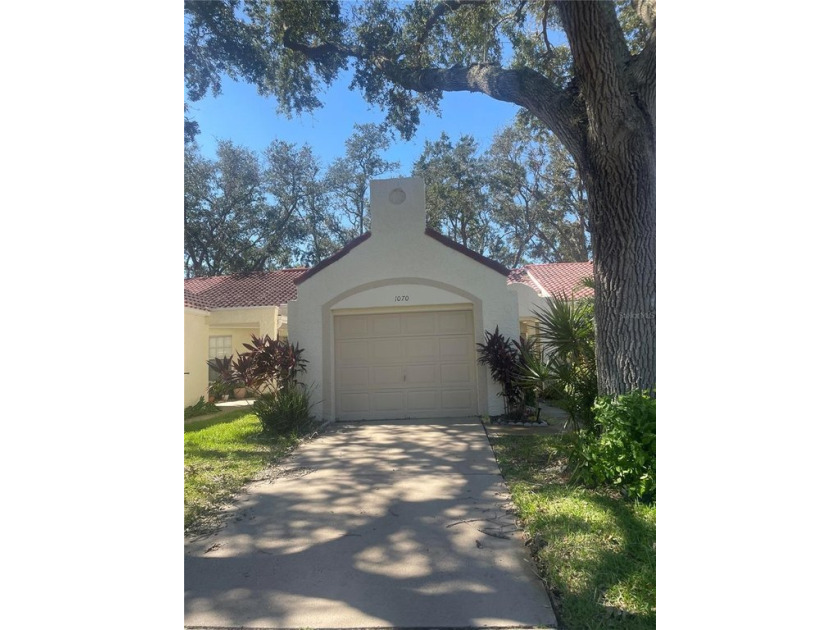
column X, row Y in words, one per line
column 284, row 412
column 620, row 450
column 566, row 373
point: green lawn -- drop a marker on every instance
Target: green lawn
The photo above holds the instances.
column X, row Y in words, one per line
column 596, row 550
column 221, row 455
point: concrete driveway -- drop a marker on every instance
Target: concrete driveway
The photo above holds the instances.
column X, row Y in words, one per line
column 376, row 524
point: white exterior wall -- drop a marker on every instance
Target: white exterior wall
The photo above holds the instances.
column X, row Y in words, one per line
column 195, row 354
column 528, row 300
column 258, row 319
column 398, row 261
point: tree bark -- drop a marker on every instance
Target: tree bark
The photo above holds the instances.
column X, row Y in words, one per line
column 619, row 171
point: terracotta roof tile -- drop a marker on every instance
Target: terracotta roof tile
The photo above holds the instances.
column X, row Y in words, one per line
column 268, row 288
column 521, row 275
column 555, row 278
column 195, row 301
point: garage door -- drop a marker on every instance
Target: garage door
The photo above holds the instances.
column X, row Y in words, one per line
column 405, row 365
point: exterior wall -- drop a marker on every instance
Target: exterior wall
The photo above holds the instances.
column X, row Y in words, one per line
column 398, row 268
column 262, row 320
column 196, row 327
column 527, row 299
column 199, row 326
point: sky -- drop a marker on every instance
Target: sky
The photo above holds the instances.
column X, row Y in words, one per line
column 240, row 114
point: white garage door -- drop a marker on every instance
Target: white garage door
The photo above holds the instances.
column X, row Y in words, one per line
column 405, row 365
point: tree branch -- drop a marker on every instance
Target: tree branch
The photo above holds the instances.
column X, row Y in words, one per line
column 437, row 13
column 646, row 9
column 601, row 59
column 555, row 107
column 548, row 48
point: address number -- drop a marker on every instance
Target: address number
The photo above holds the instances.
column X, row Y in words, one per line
column 400, row 298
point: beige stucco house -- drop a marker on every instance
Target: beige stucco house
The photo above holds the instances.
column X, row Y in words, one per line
column 389, row 324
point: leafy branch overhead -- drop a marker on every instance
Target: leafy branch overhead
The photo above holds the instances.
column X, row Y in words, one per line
column 405, row 55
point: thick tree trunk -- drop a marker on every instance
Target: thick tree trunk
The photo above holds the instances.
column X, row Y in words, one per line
column 622, row 199
column 618, row 164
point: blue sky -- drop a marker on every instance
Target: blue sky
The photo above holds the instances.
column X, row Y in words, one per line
column 243, row 116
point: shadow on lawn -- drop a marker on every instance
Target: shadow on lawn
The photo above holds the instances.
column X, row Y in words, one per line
column 593, row 543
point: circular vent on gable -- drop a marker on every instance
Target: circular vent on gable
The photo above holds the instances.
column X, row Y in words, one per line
column 396, row 196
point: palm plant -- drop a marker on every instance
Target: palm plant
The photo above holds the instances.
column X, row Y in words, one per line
column 566, row 371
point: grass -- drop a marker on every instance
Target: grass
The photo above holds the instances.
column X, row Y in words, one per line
column 200, row 408
column 221, row 455
column 595, row 550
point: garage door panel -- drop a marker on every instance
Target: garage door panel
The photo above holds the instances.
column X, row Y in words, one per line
column 455, row 348
column 353, row 378
column 352, row 352
column 385, row 325
column 385, row 375
column 457, row 399
column 351, row 326
column 422, row 375
column 386, row 350
column 387, row 401
column 357, row 402
column 456, row 373
column 456, row 322
column 421, row 350
column 419, row 323
column 418, row 401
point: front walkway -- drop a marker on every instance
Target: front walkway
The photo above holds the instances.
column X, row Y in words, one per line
column 376, row 524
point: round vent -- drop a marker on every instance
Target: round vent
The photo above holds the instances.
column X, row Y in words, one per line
column 396, row 196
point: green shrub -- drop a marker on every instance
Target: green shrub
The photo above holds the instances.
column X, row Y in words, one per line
column 199, row 409
column 284, row 411
column 501, row 356
column 620, row 450
column 565, row 372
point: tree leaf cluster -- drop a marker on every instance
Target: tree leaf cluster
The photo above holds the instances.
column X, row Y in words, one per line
column 246, row 212
column 520, row 201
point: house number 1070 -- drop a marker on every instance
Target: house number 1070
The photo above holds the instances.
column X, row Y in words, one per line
column 400, row 298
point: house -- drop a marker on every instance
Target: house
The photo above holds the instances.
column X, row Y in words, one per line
column 388, row 324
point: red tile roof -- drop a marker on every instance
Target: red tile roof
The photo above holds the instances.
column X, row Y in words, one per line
column 274, row 288
column 555, row 278
column 195, row 301
column 268, row 288
column 521, row 275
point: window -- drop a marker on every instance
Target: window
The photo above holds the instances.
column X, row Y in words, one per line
column 221, row 346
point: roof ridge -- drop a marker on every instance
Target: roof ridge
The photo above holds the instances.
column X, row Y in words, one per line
column 576, row 262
